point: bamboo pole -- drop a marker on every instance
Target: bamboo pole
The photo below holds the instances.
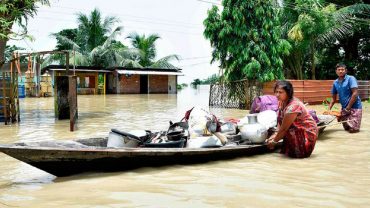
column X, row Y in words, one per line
column 11, row 98
column 17, row 104
column 340, row 122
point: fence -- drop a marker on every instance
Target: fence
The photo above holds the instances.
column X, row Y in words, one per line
column 9, row 100
column 316, row 91
column 238, row 94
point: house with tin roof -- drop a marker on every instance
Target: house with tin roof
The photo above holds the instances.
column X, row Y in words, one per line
column 120, row 80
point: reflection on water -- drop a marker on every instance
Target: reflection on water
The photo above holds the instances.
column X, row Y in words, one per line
column 337, row 174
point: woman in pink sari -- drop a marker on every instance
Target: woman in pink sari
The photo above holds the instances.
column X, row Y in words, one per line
column 296, row 127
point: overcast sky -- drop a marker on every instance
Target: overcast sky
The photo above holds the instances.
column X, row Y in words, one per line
column 179, row 23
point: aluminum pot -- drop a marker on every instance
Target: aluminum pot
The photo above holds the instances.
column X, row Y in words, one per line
column 131, row 139
column 253, row 131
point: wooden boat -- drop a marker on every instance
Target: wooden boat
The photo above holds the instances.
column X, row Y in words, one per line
column 68, row 161
column 63, row 159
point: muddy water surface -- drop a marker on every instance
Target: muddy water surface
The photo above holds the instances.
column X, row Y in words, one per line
column 336, row 175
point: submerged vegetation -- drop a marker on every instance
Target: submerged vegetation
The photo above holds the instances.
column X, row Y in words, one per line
column 181, row 86
column 213, row 79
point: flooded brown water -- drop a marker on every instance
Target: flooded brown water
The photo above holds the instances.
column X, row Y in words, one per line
column 336, row 175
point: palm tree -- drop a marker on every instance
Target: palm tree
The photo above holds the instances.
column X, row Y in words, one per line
column 94, row 43
column 148, row 51
column 107, row 54
column 310, row 26
column 93, row 30
column 9, row 52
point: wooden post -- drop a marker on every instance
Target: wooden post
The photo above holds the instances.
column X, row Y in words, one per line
column 105, row 82
column 38, row 77
column 4, row 98
column 210, row 94
column 65, row 94
column 67, row 63
column 72, row 99
column 61, row 97
column 96, row 88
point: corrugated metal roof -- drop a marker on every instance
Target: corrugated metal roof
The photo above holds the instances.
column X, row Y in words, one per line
column 82, row 70
column 149, row 72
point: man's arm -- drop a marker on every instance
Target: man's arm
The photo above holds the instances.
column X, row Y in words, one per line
column 333, row 100
column 334, row 93
column 353, row 98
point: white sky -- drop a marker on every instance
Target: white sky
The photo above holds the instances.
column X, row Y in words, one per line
column 179, row 23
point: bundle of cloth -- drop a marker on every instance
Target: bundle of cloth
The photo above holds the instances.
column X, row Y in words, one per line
column 270, row 102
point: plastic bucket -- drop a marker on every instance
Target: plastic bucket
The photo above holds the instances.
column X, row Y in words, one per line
column 21, row 91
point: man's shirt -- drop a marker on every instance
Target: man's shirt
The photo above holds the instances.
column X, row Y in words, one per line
column 344, row 90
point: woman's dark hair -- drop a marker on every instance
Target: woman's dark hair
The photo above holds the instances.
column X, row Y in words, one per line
column 286, row 86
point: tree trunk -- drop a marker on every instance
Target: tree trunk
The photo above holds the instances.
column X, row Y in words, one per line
column 2, row 51
column 351, row 48
column 313, row 64
column 294, row 63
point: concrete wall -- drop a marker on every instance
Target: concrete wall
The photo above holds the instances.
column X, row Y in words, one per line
column 172, row 82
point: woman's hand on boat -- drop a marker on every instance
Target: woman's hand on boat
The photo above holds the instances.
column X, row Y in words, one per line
column 270, row 142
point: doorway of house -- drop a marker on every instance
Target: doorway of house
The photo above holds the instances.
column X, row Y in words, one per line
column 144, row 84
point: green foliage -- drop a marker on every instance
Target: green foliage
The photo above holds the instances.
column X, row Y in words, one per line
column 9, row 53
column 148, row 51
column 67, row 33
column 16, row 11
column 195, row 82
column 314, row 27
column 326, row 103
column 181, row 86
column 213, row 79
column 100, row 81
column 245, row 37
column 93, row 30
column 353, row 49
column 93, row 43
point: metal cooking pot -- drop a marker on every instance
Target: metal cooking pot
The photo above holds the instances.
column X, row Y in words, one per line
column 253, row 131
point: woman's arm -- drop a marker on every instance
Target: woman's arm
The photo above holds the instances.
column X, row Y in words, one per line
column 287, row 122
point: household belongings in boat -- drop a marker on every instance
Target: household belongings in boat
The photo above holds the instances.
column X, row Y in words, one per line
column 206, row 131
column 263, row 103
column 333, row 113
column 270, row 102
column 175, row 137
column 201, row 129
